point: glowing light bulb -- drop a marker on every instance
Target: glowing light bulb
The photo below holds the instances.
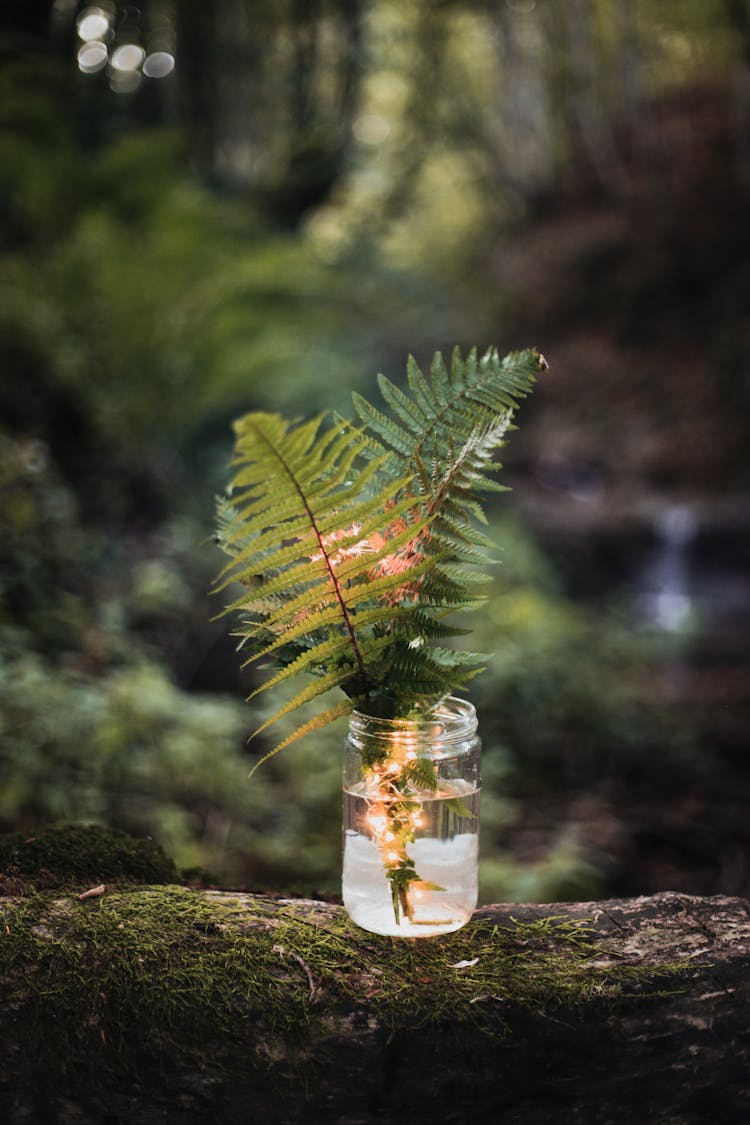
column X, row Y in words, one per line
column 377, row 819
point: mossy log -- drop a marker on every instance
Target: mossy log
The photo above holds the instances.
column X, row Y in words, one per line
column 163, row 1003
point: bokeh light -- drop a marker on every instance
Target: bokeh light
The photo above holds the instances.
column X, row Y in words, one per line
column 127, row 57
column 158, row 64
column 371, row 129
column 124, row 81
column 92, row 57
column 93, row 24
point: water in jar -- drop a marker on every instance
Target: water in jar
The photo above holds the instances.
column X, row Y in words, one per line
column 445, row 853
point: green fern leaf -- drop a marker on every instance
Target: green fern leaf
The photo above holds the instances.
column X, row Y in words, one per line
column 352, row 542
column 322, row 719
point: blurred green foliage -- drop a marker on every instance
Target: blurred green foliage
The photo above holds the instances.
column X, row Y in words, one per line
column 157, row 314
column 94, row 728
column 563, row 686
column 143, row 305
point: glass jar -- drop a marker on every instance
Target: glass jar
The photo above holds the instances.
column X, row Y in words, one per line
column 411, row 821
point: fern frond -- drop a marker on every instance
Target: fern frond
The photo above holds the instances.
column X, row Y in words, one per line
column 394, row 436
column 317, row 722
column 408, row 411
column 312, row 690
column 353, row 542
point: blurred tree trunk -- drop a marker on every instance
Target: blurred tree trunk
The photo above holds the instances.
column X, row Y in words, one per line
column 590, row 122
column 738, row 15
column 268, row 91
column 567, row 75
column 422, row 126
column 523, row 141
column 197, row 74
column 319, row 124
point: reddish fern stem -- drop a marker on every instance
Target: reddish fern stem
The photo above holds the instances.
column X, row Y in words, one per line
column 329, row 565
column 339, row 595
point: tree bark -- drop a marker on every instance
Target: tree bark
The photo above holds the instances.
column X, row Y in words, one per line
column 357, row 1028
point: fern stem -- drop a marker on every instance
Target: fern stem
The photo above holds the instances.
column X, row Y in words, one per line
column 324, row 552
column 340, row 598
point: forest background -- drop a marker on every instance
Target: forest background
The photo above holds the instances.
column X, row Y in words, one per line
column 212, row 208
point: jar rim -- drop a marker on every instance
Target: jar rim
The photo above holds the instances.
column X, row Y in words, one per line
column 450, row 719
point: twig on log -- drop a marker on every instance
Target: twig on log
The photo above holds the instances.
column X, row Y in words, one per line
column 303, row 964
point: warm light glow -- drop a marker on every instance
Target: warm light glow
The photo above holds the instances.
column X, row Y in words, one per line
column 159, row 64
column 378, row 821
column 396, row 814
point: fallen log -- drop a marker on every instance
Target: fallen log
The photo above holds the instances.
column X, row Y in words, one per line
column 162, row 1003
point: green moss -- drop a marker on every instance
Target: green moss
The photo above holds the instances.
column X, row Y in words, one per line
column 121, row 983
column 469, row 977
column 77, row 856
column 151, row 985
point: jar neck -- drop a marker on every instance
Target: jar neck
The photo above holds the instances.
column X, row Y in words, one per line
column 451, row 721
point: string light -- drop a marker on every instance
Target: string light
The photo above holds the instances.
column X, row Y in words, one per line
column 377, row 820
column 396, row 814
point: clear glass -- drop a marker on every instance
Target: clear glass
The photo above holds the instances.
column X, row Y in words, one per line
column 411, row 821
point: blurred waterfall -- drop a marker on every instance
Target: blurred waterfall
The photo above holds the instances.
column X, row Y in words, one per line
column 665, row 599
